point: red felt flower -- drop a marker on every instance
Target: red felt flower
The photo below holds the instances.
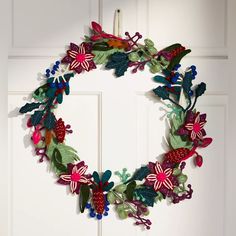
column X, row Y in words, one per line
column 160, row 177
column 194, row 126
column 75, row 176
column 80, row 57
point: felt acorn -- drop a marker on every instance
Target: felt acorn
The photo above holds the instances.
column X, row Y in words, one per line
column 99, row 201
column 177, row 155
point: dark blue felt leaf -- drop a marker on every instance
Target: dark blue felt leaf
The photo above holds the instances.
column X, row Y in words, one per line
column 36, row 117
column 140, row 174
column 161, row 92
column 29, row 107
column 118, row 61
column 146, row 195
column 50, row 121
column 200, row 90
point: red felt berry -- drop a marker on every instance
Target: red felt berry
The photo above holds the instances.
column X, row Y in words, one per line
column 60, row 130
column 198, row 160
column 177, row 155
column 98, row 201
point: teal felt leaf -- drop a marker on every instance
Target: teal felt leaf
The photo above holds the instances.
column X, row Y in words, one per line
column 160, row 79
column 118, row 61
column 83, row 196
column 57, row 162
column 130, row 190
column 146, row 195
column 50, row 121
column 68, row 76
column 106, row 176
column 29, row 107
column 67, row 90
column 200, row 90
column 140, row 174
column 60, row 98
column 161, row 92
column 51, row 92
column 108, row 187
column 96, row 177
column 176, row 60
column 37, row 117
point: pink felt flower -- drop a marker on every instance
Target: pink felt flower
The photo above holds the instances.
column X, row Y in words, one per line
column 80, row 57
column 160, row 177
column 193, row 126
column 75, row 176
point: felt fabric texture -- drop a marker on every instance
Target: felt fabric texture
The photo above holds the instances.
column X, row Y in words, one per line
column 136, row 192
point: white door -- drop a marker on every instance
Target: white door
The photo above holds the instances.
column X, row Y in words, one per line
column 115, row 122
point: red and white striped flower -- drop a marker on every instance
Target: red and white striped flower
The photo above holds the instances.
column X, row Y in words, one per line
column 75, row 176
column 160, row 177
column 79, row 57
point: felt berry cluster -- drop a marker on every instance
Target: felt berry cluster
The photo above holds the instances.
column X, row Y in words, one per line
column 155, row 181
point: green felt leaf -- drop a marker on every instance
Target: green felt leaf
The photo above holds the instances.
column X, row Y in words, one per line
column 182, row 178
column 118, row 61
column 111, row 197
column 140, row 174
column 37, row 117
column 68, row 153
column 161, row 92
column 160, row 79
column 146, row 195
column 102, row 46
column 29, row 107
column 176, row 171
column 56, row 160
column 83, row 196
column 101, row 57
column 130, row 190
column 172, row 47
column 120, row 188
column 134, row 56
column 50, row 121
column 177, row 142
column 176, row 60
column 200, row 90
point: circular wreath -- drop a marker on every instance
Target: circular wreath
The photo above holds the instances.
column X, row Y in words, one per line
column 150, row 183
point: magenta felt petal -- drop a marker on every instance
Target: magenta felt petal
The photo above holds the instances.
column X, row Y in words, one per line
column 80, row 164
column 85, row 65
column 72, row 53
column 73, row 186
column 167, row 183
column 61, row 181
column 168, row 172
column 74, row 65
column 158, row 168
column 66, row 178
column 82, row 170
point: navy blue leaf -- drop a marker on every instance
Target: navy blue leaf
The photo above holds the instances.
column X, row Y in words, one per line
column 29, row 107
column 200, row 90
column 36, row 117
column 140, row 174
column 146, row 195
column 161, row 92
column 50, row 121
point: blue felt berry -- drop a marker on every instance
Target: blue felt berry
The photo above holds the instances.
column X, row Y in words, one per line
column 60, row 85
column 99, row 216
column 47, row 71
column 194, row 73
column 107, row 209
column 193, row 67
column 105, row 213
column 92, row 214
column 53, row 72
column 174, row 79
column 191, row 93
column 88, row 205
column 52, row 85
column 57, row 63
column 66, row 84
column 169, row 85
column 55, row 67
column 47, row 75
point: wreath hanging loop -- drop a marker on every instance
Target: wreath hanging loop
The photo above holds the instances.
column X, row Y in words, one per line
column 152, row 182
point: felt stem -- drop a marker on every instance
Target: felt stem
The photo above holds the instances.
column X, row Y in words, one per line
column 194, row 103
column 171, row 100
column 189, row 104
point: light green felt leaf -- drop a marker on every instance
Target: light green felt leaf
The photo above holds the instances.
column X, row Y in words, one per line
column 68, row 154
column 101, row 57
column 177, row 142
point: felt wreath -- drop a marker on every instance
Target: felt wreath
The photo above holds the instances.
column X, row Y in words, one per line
column 152, row 182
